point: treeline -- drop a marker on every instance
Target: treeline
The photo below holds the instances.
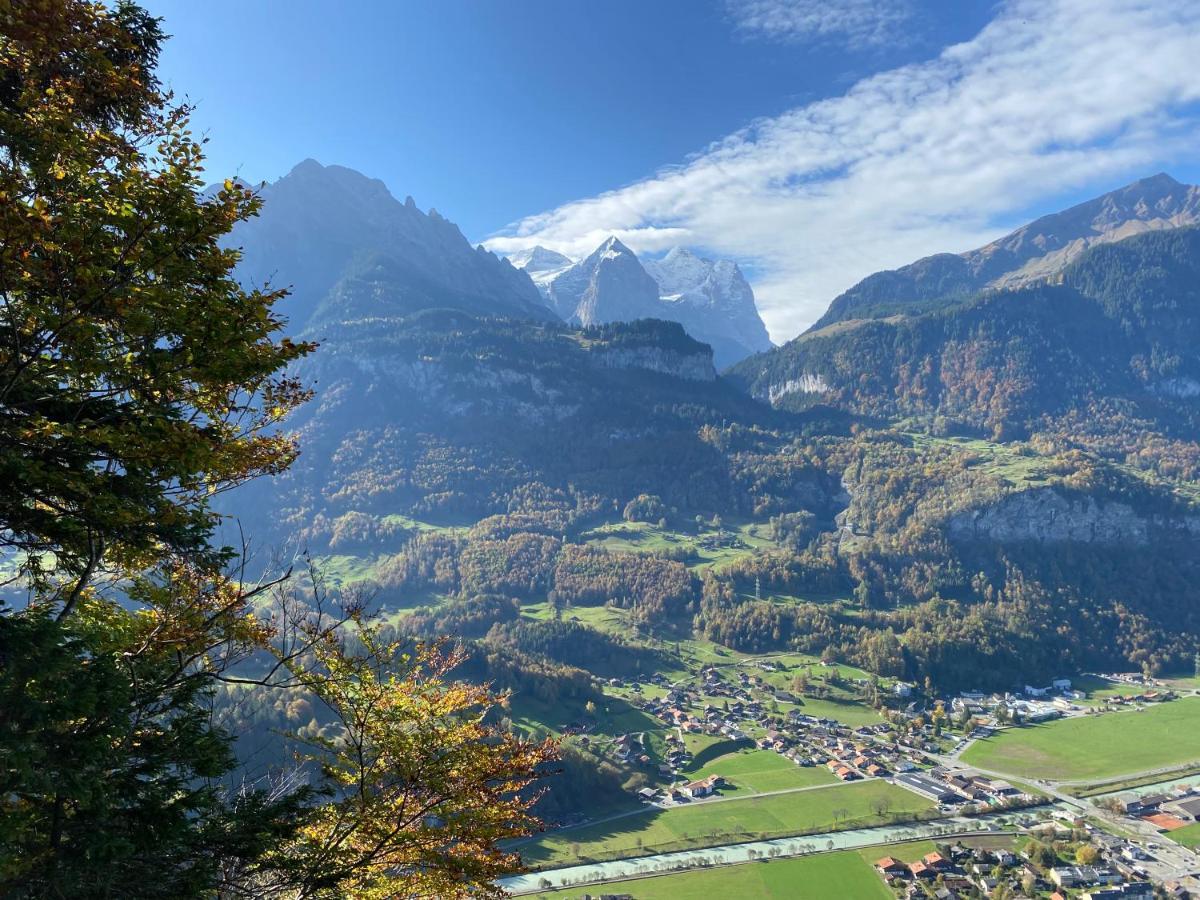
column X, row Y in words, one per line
column 1028, row 620
column 576, row 644
column 656, row 591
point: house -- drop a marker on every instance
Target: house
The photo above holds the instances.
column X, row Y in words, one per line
column 889, row 867
column 937, row 862
column 902, row 689
column 697, row 789
column 1188, row 808
column 1082, row 876
column 994, row 786
column 703, row 788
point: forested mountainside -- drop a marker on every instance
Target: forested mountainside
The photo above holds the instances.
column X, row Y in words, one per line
column 1103, row 358
column 446, row 415
column 989, row 492
column 1031, row 254
column 928, row 490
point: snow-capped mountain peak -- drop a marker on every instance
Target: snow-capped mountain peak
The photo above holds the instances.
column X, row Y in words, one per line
column 711, row 299
column 540, row 259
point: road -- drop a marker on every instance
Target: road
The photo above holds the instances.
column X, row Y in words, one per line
column 1168, row 861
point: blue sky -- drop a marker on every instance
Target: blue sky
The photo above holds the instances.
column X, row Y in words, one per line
column 813, row 140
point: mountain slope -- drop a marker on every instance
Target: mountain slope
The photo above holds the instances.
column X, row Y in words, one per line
column 444, row 414
column 1122, row 324
column 609, row 286
column 713, row 301
column 321, row 225
column 1035, row 252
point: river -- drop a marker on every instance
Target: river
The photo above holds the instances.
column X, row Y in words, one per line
column 594, row 873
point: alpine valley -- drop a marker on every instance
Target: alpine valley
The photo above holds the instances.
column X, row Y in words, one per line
column 975, row 473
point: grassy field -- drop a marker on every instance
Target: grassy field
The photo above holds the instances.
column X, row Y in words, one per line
column 847, row 712
column 1095, row 747
column 760, row 771
column 908, row 851
column 1188, row 837
column 1002, row 461
column 843, row 875
column 708, row 823
column 1183, row 681
column 645, row 537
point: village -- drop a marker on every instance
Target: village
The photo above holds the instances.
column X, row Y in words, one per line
column 912, row 735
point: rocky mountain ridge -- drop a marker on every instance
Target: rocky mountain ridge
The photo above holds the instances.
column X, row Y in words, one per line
column 332, row 234
column 1033, row 253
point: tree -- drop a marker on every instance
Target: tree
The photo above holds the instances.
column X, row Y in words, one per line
column 1086, row 855
column 138, row 379
column 111, row 766
column 422, row 788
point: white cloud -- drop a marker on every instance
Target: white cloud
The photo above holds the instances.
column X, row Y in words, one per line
column 854, row 22
column 1049, row 97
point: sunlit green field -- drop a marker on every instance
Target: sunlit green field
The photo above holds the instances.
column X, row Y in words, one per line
column 1188, row 837
column 760, row 771
column 708, row 823
column 645, row 537
column 842, row 875
column 1095, row 747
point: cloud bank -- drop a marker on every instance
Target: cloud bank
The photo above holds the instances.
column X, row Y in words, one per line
column 1052, row 96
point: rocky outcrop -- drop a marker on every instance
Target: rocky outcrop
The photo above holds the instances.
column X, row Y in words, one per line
column 690, row 366
column 1048, row 516
column 806, row 383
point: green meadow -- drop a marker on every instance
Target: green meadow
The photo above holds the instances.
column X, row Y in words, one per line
column 711, row 823
column 844, row 875
column 1091, row 748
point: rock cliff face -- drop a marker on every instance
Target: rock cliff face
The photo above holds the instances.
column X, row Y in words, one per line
column 1046, row 516
column 713, row 301
column 689, row 366
column 806, row 383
